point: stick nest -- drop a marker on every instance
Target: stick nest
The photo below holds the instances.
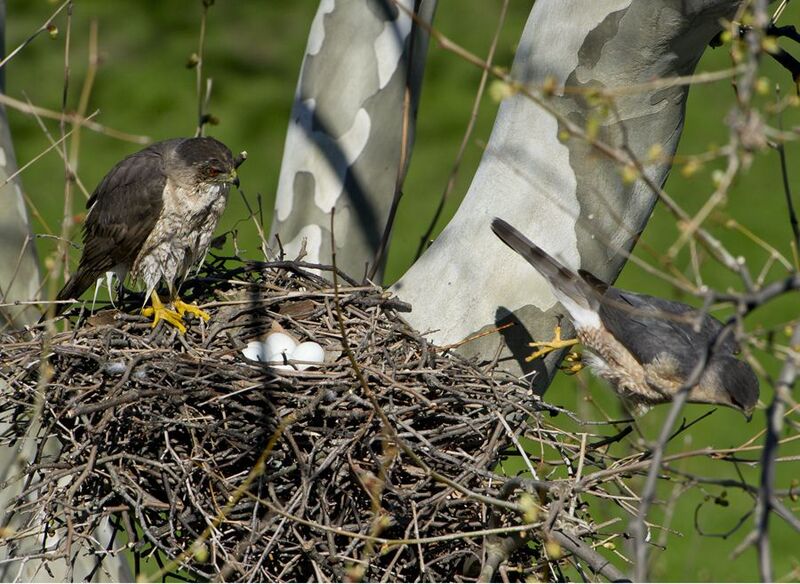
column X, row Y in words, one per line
column 379, row 464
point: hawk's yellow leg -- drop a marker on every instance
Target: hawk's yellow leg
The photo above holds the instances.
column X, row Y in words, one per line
column 183, row 307
column 160, row 312
column 549, row 346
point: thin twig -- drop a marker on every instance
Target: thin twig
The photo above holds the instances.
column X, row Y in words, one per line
column 46, row 27
column 787, row 190
column 473, row 117
column 775, row 412
column 201, row 98
column 72, row 118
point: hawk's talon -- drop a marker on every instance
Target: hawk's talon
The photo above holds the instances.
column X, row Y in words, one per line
column 573, row 363
column 160, row 312
column 549, row 346
column 183, row 307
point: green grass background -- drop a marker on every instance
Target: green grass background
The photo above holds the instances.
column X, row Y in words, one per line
column 253, row 53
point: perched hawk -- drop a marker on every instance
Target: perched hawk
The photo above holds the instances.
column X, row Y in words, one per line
column 152, row 217
column 645, row 347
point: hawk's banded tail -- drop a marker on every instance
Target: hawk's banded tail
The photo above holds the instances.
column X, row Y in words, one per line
column 75, row 286
column 580, row 298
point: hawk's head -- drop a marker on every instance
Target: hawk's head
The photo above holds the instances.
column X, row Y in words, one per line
column 205, row 160
column 730, row 382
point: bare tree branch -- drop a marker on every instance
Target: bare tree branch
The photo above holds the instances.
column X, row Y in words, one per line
column 783, row 392
column 594, row 559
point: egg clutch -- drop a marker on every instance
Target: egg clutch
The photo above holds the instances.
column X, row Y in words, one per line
column 282, row 351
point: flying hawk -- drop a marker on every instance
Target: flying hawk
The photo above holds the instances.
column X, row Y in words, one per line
column 645, row 347
column 152, row 217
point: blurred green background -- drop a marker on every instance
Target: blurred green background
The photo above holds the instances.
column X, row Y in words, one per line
column 253, row 53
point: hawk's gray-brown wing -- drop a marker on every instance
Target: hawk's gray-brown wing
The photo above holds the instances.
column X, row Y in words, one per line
column 122, row 212
column 649, row 326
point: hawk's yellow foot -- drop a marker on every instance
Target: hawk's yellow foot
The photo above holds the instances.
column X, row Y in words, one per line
column 160, row 312
column 572, row 363
column 550, row 346
column 183, row 307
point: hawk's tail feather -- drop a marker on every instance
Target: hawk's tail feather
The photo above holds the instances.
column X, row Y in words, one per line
column 569, row 288
column 75, row 286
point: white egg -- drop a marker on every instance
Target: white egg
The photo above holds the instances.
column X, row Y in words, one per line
column 255, row 351
column 278, row 344
column 308, row 351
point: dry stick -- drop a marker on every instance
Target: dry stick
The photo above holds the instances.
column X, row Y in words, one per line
column 257, row 223
column 578, row 473
column 783, row 394
column 52, row 141
column 785, row 513
column 72, row 118
column 595, row 561
column 766, row 500
column 402, row 163
column 384, row 418
column 53, row 146
column 416, row 535
column 624, row 467
column 17, row 265
column 40, row 30
column 241, row 490
column 199, row 69
column 66, row 220
column 389, row 542
column 774, row 254
column 717, row 197
column 765, row 294
column 83, row 104
column 473, row 117
column 474, row 337
column 359, row 570
column 520, row 449
column 779, row 10
column 760, row 433
column 36, row 158
column 786, row 188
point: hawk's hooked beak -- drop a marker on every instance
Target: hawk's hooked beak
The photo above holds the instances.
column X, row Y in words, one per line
column 237, row 162
column 233, row 178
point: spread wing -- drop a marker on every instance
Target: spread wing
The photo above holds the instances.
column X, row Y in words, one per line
column 649, row 326
column 123, row 210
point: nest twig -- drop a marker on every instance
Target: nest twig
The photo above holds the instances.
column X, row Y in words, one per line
column 232, row 470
